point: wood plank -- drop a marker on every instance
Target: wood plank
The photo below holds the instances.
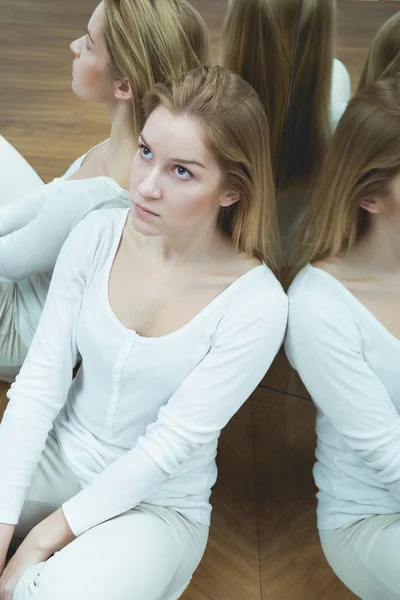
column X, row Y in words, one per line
column 292, row 562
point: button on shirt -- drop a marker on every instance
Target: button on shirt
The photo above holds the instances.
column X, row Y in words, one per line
column 141, row 420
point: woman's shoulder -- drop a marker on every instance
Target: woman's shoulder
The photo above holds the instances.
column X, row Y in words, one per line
column 339, row 70
column 316, row 296
column 79, row 161
column 255, row 275
column 340, row 92
column 91, row 184
column 106, row 219
column 256, row 297
column 102, row 225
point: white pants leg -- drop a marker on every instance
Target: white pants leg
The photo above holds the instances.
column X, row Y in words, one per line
column 148, row 553
column 365, row 555
column 17, row 178
column 12, row 349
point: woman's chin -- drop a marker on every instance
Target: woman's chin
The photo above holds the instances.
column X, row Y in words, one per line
column 142, row 227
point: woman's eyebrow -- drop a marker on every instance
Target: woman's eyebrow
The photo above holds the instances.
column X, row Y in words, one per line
column 177, row 160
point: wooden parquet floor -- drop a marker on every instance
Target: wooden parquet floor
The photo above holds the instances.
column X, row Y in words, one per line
column 263, row 541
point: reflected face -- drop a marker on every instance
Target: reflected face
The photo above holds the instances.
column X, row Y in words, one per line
column 91, row 78
column 175, row 181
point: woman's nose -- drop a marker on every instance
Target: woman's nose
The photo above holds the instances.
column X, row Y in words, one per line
column 150, row 186
column 75, row 47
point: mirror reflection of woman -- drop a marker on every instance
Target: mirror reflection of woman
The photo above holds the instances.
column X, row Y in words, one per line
column 384, row 56
column 344, row 340
column 258, row 43
column 176, row 312
column 129, row 45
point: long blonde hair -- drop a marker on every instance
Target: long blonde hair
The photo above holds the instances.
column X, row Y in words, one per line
column 362, row 160
column 149, row 41
column 258, row 43
column 236, row 133
column 384, row 55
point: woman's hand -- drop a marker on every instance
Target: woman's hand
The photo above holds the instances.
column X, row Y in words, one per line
column 26, row 556
column 48, row 537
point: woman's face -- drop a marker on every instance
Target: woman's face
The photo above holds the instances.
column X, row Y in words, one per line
column 175, row 182
column 91, row 77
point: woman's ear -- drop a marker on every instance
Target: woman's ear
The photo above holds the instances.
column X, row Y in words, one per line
column 371, row 204
column 229, row 198
column 123, row 90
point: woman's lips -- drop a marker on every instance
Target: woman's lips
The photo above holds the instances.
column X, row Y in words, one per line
column 143, row 212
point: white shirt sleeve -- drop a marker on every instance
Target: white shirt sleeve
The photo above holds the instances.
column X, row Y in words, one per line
column 41, row 388
column 202, row 405
column 341, row 91
column 18, row 214
column 34, row 247
column 324, row 345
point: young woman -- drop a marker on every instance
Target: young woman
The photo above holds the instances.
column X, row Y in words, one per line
column 384, row 56
column 344, row 340
column 177, row 316
column 130, row 45
column 258, row 43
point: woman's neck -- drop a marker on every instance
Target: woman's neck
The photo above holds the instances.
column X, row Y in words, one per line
column 122, row 145
column 377, row 253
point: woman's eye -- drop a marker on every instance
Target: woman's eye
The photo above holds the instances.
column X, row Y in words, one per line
column 145, row 152
column 182, row 173
column 87, row 43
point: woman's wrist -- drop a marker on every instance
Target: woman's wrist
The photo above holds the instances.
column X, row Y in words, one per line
column 52, row 534
column 6, row 534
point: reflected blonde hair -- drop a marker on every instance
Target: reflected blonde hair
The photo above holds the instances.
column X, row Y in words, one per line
column 362, row 160
column 236, row 133
column 151, row 40
column 258, row 43
column 384, row 55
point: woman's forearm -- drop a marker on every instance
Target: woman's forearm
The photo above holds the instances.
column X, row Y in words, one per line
column 6, row 534
column 52, row 534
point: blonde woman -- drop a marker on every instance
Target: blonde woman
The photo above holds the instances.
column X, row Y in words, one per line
column 177, row 315
column 258, row 43
column 384, row 56
column 344, row 340
column 129, row 45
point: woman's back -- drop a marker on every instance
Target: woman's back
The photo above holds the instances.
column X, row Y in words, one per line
column 349, row 363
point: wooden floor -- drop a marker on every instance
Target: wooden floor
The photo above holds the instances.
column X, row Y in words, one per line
column 263, row 542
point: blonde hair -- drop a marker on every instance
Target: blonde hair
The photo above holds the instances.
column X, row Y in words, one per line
column 362, row 160
column 258, row 43
column 384, row 56
column 151, row 40
column 236, row 133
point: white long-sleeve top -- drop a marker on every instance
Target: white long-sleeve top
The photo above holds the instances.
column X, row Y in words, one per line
column 33, row 230
column 141, row 420
column 350, row 365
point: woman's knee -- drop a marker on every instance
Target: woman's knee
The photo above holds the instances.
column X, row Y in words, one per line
column 125, row 558
column 365, row 556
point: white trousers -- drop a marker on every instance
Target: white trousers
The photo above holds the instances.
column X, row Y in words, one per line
column 147, row 553
column 365, row 555
column 12, row 349
column 17, row 180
